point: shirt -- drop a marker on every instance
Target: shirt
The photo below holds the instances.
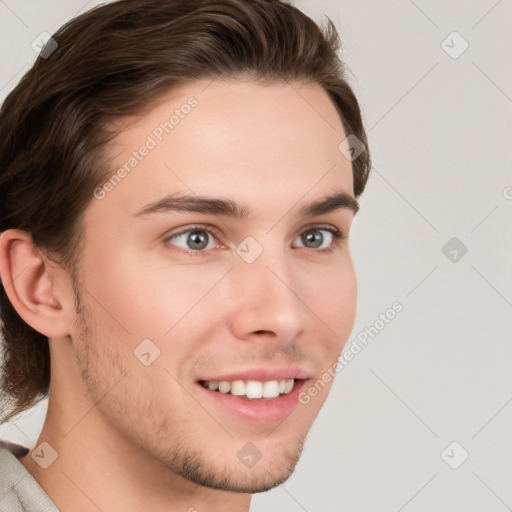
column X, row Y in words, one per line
column 19, row 492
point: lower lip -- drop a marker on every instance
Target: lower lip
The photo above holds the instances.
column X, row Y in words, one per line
column 257, row 411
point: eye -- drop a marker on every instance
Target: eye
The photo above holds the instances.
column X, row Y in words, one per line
column 198, row 240
column 314, row 238
column 195, row 240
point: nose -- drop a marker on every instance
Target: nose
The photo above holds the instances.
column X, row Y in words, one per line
column 269, row 300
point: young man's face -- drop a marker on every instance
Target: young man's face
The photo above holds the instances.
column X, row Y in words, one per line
column 174, row 300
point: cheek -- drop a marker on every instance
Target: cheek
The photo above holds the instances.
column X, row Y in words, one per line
column 127, row 292
column 333, row 300
column 347, row 299
column 137, row 298
column 134, row 298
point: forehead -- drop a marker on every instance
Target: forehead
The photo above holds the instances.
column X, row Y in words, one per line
column 260, row 143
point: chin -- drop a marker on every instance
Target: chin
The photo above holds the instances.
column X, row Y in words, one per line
column 266, row 473
column 258, row 483
column 250, row 480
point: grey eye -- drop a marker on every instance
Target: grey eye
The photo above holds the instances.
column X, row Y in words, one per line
column 194, row 239
column 314, row 238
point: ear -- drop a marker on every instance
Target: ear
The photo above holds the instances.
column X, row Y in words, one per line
column 34, row 284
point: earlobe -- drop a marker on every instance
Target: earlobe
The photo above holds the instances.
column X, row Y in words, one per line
column 29, row 281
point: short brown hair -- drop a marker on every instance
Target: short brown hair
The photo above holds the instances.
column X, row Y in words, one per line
column 111, row 62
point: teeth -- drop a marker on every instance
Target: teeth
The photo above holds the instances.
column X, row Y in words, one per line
column 289, row 385
column 238, row 388
column 252, row 389
column 271, row 389
column 224, row 387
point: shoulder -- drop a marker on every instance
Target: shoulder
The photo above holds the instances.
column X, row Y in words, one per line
column 19, row 492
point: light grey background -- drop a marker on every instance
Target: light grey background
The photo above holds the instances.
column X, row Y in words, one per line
column 440, row 132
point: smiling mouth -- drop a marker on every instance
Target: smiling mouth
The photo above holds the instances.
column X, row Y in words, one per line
column 251, row 389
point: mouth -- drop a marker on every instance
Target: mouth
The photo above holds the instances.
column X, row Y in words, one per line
column 263, row 402
column 251, row 389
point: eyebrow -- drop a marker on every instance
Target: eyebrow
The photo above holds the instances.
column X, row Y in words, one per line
column 229, row 208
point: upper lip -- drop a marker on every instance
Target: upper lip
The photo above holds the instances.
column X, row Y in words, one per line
column 262, row 374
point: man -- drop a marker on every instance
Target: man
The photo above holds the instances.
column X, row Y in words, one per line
column 178, row 184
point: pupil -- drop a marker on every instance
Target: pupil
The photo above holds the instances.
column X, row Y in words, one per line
column 315, row 237
column 198, row 239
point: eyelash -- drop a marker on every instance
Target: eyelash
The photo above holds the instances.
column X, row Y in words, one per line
column 338, row 238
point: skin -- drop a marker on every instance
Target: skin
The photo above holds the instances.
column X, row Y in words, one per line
column 125, row 432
